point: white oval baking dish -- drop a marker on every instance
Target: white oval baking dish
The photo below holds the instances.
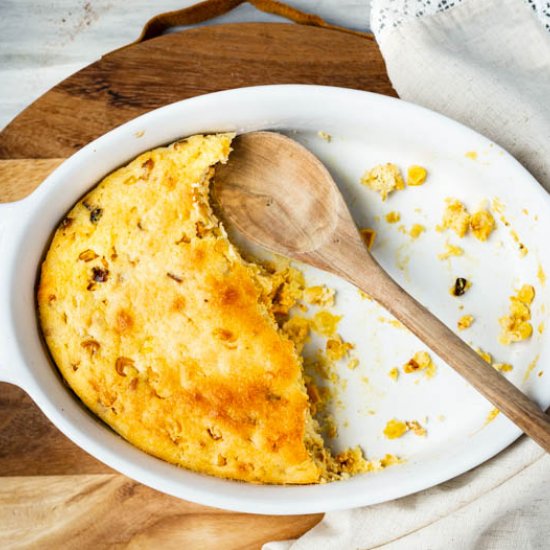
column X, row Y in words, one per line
column 26, row 227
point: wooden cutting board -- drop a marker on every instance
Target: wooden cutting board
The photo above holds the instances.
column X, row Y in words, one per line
column 52, row 494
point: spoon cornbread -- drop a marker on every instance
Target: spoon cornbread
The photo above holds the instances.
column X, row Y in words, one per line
column 281, row 196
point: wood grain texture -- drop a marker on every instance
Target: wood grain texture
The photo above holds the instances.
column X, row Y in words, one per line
column 282, row 197
column 129, row 82
column 52, row 494
column 111, row 511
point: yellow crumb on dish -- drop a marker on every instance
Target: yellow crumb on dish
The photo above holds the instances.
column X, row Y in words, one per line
column 395, row 429
column 384, row 179
column 503, row 367
column 353, row 363
column 493, row 413
column 450, row 250
column 325, row 323
column 531, row 367
column 485, row 355
column 541, row 276
column 460, row 287
column 353, row 462
column 540, row 328
column 393, row 322
column 375, row 465
column 337, row 349
column 324, row 135
column 526, row 294
column 416, row 428
column 393, row 217
column 364, row 295
column 455, row 217
column 516, row 326
column 472, row 155
column 416, row 230
column 368, row 235
column 540, row 373
column 523, row 250
column 482, row 224
column 421, row 360
column 319, row 295
column 466, row 321
column 416, row 175
column 394, row 373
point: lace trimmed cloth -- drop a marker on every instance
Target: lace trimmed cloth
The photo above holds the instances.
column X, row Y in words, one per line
column 387, row 14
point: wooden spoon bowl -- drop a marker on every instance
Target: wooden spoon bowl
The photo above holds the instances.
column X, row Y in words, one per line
column 282, row 197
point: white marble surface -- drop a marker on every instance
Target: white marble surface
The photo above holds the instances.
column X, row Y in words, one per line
column 42, row 42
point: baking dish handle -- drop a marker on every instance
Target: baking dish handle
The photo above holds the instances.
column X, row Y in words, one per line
column 10, row 217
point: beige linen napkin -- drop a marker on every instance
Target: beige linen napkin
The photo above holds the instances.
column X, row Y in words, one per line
column 485, row 63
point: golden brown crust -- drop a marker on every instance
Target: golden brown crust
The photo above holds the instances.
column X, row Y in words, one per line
column 164, row 332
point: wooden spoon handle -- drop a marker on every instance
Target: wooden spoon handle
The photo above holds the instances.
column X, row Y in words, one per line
column 443, row 341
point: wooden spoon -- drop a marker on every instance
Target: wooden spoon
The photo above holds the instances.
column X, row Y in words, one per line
column 280, row 195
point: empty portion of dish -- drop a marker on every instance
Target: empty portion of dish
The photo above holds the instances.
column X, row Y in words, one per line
column 165, row 332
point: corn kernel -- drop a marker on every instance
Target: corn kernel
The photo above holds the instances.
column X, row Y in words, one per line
column 416, row 175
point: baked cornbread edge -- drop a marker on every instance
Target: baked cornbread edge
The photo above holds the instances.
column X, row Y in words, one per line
column 319, row 466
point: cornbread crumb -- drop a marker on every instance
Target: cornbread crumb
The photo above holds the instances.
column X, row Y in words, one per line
column 337, row 349
column 369, row 236
column 465, row 322
column 352, row 461
column 393, row 322
column 472, row 155
column 415, row 427
column 541, row 276
column 526, row 294
column 450, row 250
column 485, row 355
column 384, row 179
column 319, row 295
column 531, row 367
column 364, row 295
column 395, row 429
column 482, row 224
column 541, row 327
column 516, row 326
column 523, row 250
column 455, row 217
column 394, row 373
column 421, row 360
column 493, row 413
column 353, row 363
column 416, row 175
column 393, row 217
column 325, row 323
column 416, row 230
column 398, row 428
column 503, row 367
column 324, row 135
